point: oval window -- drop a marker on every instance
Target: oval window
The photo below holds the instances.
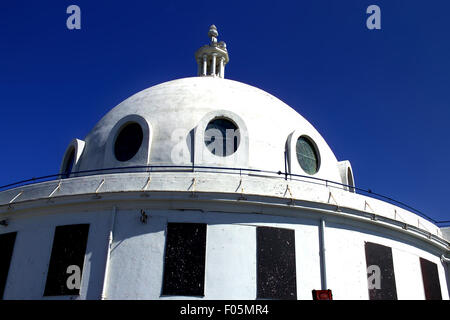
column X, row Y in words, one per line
column 307, row 155
column 222, row 137
column 128, row 142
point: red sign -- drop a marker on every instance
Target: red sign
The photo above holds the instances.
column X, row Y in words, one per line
column 322, row 295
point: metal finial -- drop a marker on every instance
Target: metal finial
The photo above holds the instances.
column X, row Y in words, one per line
column 212, row 33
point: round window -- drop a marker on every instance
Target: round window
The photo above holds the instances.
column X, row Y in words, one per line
column 307, row 155
column 222, row 137
column 128, row 142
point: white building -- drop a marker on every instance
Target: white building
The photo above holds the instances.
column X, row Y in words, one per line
column 153, row 204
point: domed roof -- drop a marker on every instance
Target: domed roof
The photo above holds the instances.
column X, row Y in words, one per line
column 206, row 121
column 174, row 116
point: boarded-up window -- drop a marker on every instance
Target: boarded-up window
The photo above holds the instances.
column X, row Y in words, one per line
column 380, row 268
column 276, row 274
column 7, row 241
column 67, row 260
column 184, row 263
column 430, row 278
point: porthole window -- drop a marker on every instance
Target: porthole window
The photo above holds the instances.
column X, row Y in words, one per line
column 307, row 155
column 128, row 141
column 222, row 137
column 69, row 164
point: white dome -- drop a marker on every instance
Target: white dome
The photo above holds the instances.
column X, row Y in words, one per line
column 203, row 233
column 174, row 116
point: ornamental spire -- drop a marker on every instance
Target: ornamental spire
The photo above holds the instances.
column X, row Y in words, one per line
column 212, row 58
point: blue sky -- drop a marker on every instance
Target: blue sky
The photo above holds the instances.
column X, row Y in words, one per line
column 380, row 98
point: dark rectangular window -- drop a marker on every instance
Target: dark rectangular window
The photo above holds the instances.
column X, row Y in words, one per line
column 430, row 278
column 276, row 273
column 7, row 241
column 380, row 268
column 184, row 263
column 69, row 249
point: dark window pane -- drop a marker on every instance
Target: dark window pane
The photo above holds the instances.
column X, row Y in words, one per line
column 128, row 142
column 430, row 278
column 7, row 241
column 307, row 156
column 69, row 249
column 222, row 137
column 276, row 275
column 184, row 264
column 379, row 259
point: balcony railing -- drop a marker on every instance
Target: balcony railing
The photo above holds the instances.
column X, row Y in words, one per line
column 226, row 170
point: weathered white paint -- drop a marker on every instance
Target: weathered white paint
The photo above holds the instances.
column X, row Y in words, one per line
column 227, row 257
column 31, row 256
column 137, row 252
column 408, row 275
column 181, row 105
column 137, row 255
column 312, row 194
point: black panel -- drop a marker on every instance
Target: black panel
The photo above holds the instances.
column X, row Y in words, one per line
column 430, row 278
column 276, row 274
column 69, row 248
column 6, row 249
column 184, row 264
column 381, row 256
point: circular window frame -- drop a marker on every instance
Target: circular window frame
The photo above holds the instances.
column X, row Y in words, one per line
column 292, row 163
column 77, row 147
column 142, row 156
column 202, row 155
column 347, row 177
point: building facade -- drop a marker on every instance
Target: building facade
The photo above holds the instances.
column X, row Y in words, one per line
column 208, row 188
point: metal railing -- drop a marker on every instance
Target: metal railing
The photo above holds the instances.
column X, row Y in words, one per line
column 227, row 170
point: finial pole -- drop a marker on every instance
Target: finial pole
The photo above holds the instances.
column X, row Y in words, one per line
column 213, row 34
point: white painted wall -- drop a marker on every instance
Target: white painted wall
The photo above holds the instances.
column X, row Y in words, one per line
column 228, row 257
column 31, row 255
column 346, row 262
column 408, row 275
column 137, row 254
